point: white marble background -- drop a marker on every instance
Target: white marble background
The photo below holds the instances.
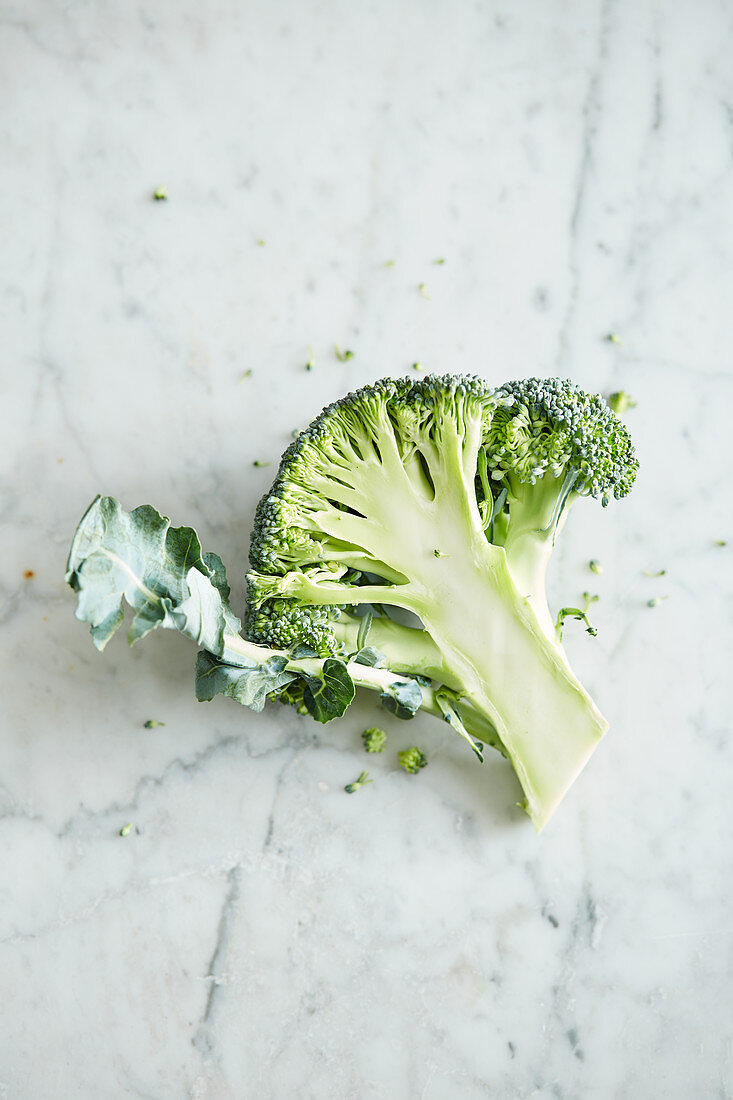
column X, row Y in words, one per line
column 259, row 934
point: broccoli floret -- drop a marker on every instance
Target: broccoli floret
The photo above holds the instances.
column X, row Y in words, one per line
column 374, row 739
column 412, row 760
column 292, row 695
column 384, row 476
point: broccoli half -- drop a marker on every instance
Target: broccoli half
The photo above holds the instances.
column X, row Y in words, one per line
column 433, row 505
column 402, row 548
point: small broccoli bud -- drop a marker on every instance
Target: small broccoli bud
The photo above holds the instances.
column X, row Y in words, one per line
column 423, row 290
column 613, row 338
column 440, row 554
column 126, row 829
column 651, row 573
column 595, row 566
column 258, row 463
column 374, row 739
column 656, row 600
column 152, row 724
column 620, row 402
column 342, row 356
column 721, row 542
column 440, row 261
column 160, row 194
column 358, row 783
column 412, row 760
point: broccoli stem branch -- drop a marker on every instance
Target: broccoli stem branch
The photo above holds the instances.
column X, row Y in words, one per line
column 374, row 679
column 530, row 539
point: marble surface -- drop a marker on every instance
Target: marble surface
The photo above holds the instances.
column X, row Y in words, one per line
column 258, row 934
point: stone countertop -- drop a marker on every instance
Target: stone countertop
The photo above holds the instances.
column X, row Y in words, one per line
column 258, row 934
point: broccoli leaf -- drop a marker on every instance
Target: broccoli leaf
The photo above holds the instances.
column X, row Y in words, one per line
column 371, row 656
column 249, row 684
column 157, row 569
column 328, row 695
column 403, row 699
column 219, row 579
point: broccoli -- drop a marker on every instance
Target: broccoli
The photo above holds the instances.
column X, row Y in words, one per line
column 412, row 760
column 621, row 402
column 374, row 739
column 384, row 476
column 344, row 544
column 363, row 779
column 577, row 613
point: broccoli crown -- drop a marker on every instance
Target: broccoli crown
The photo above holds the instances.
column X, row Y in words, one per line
column 327, row 470
column 552, row 426
column 345, row 487
column 344, row 435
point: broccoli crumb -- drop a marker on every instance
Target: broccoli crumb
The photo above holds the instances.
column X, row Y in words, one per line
column 374, row 739
column 160, row 194
column 258, row 463
column 418, row 367
column 656, row 600
column 412, row 760
column 358, row 783
column 423, row 290
column 152, row 724
column 613, row 338
column 126, row 829
column 721, row 542
column 439, row 261
column 342, row 356
column 595, row 566
column 620, row 402
column 651, row 573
